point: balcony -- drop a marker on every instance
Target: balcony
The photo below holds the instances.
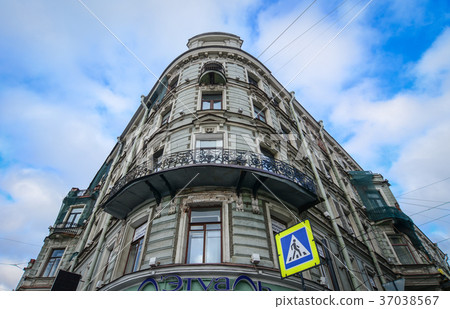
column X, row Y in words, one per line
column 212, row 73
column 64, row 228
column 210, row 168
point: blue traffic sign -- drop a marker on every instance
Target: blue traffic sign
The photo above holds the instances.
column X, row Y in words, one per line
column 296, row 249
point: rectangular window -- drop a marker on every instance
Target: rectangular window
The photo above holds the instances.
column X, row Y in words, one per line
column 157, row 159
column 259, row 113
column 211, row 101
column 402, row 250
column 74, row 217
column 209, row 143
column 323, row 274
column 135, row 249
column 277, row 226
column 205, row 237
column 53, row 263
column 252, row 81
column 372, row 283
column 165, row 118
column 286, row 134
column 376, row 199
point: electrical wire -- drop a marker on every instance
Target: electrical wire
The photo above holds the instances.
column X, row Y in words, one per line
column 418, row 199
column 159, row 80
column 328, row 43
column 304, row 11
column 14, row 264
column 315, row 24
column 18, row 241
column 426, row 186
column 434, row 207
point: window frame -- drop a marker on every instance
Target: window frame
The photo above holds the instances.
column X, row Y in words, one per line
column 138, row 244
column 212, row 102
column 204, row 229
column 324, row 268
column 54, row 266
column 259, row 112
column 375, row 198
column 218, row 137
column 402, row 244
column 68, row 223
column 157, row 158
column 165, row 117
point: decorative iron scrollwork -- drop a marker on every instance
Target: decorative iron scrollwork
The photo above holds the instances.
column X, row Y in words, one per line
column 217, row 156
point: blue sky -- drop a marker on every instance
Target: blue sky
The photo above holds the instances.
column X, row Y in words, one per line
column 68, row 89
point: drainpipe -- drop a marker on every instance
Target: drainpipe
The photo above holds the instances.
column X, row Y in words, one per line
column 99, row 247
column 334, row 225
column 353, row 209
column 102, row 193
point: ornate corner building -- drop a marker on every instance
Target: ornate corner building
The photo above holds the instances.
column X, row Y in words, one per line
column 218, row 158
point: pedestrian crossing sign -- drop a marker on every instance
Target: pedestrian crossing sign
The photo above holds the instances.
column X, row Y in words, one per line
column 296, row 249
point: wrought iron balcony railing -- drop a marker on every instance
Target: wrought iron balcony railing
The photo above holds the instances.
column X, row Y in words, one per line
column 212, row 66
column 237, row 158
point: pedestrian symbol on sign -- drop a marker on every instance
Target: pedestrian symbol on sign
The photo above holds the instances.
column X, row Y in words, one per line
column 296, row 250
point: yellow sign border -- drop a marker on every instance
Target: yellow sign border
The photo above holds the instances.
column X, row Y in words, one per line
column 314, row 262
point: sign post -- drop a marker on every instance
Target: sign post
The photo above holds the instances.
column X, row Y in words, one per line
column 296, row 249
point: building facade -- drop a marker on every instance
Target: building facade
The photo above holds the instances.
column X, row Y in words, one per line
column 218, row 158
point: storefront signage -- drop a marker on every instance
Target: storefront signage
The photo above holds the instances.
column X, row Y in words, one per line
column 177, row 283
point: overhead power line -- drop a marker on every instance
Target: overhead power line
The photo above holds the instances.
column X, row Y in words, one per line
column 430, row 208
column 18, row 241
column 328, row 43
column 304, row 32
column 426, row 186
column 159, row 80
column 436, row 219
column 418, row 199
column 304, row 11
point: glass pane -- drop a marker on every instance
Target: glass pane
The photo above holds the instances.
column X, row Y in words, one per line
column 195, row 248
column 206, row 105
column 277, row 226
column 197, row 228
column 213, row 247
column 205, row 216
column 131, row 259
column 218, row 105
column 395, row 240
column 58, row 253
column 212, row 97
column 138, row 255
column 404, row 255
column 213, row 227
column 139, row 232
column 77, row 210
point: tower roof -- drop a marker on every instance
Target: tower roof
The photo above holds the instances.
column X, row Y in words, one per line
column 214, row 39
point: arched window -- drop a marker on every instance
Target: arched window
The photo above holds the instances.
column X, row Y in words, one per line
column 212, row 73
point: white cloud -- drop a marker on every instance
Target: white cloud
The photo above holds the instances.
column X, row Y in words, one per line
column 9, row 275
column 71, row 88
